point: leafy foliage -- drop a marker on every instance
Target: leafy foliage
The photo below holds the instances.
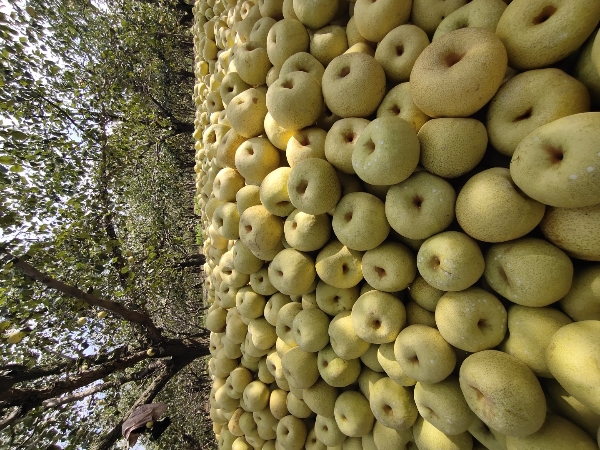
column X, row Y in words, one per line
column 97, row 192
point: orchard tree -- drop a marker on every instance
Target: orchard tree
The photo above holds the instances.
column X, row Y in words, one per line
column 101, row 304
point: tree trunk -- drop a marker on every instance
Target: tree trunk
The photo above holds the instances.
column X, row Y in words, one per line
column 194, row 261
column 182, row 5
column 28, row 399
column 186, row 73
column 108, row 440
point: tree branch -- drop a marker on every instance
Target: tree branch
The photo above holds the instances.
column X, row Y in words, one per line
column 136, row 376
column 195, row 260
column 64, row 113
column 72, row 291
column 180, row 126
column 11, row 418
column 32, row 398
column 55, row 353
column 17, row 374
column 109, row 225
column 105, row 364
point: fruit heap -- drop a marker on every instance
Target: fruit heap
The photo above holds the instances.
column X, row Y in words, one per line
column 401, row 212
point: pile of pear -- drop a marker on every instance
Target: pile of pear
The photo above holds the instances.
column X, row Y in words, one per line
column 400, row 202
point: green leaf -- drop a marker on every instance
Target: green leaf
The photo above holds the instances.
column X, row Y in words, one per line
column 5, row 159
column 18, row 135
column 16, row 168
column 124, row 270
column 30, row 11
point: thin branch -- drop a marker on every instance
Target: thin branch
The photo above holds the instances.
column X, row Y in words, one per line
column 136, row 376
column 14, row 373
column 118, row 360
column 64, row 113
column 72, row 291
column 109, row 225
column 11, row 417
column 28, row 399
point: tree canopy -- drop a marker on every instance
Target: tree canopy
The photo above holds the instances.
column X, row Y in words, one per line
column 96, row 214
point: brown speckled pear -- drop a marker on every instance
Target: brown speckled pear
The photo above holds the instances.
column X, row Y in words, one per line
column 398, row 51
column 295, row 100
column 529, row 100
column 538, row 33
column 359, row 221
column 423, row 354
column 353, row 85
column 339, row 266
column 377, row 317
column 260, row 230
column 386, row 152
column 340, row 141
column 450, row 261
column 353, row 414
column 292, row 272
column 451, row 147
column 274, row 194
column 556, row 433
column 528, row 271
column 529, row 333
column 398, row 102
column 477, row 14
column 335, row 371
column 303, row 62
column 393, row 405
column 428, row 436
column 246, row 112
column 420, row 206
column 252, row 63
column 374, row 20
column 518, row 411
column 459, row 73
column 327, row 43
column 307, row 232
column 491, row 208
column 343, row 338
column 313, row 186
column 573, row 357
column 231, row 86
column 306, row 143
column 246, row 197
column 583, row 300
column 444, row 406
column 575, row 230
column 315, row 13
column 286, row 37
column 391, row 267
column 471, row 320
column 255, row 159
column 389, row 439
column 428, row 14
